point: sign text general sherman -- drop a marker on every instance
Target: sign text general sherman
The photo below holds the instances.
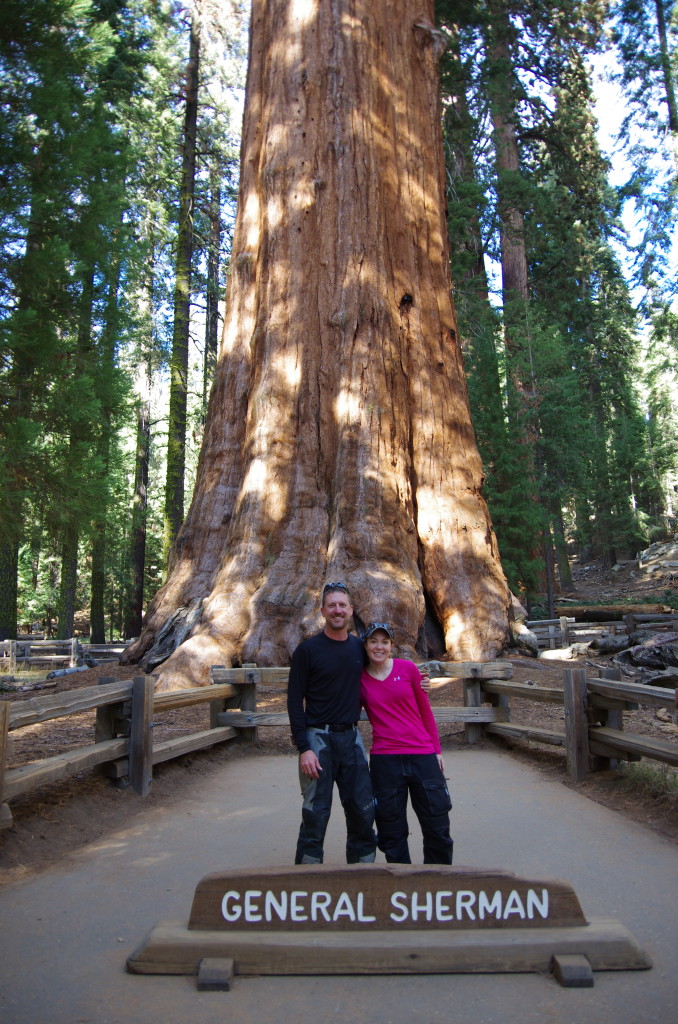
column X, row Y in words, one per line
column 323, row 897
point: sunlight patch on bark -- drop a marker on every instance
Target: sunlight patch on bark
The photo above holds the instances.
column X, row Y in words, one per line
column 250, row 223
column 289, row 368
column 302, row 13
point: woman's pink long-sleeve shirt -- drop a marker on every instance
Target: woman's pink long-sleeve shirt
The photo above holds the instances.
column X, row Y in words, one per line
column 399, row 712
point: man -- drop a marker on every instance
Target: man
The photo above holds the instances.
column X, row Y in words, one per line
column 323, row 702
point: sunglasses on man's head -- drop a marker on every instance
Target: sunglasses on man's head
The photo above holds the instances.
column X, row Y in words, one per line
column 334, row 586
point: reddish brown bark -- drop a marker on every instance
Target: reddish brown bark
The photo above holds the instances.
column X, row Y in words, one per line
column 338, row 443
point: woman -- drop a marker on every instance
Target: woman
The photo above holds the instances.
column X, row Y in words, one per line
column 405, row 756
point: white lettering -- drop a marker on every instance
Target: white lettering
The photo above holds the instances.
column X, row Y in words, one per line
column 254, row 905
column 465, row 901
column 514, row 905
column 252, row 908
column 362, row 916
column 344, row 908
column 231, row 915
column 424, row 908
column 396, row 899
column 533, row 902
column 297, row 910
column 320, row 901
column 487, row 906
column 443, row 912
column 274, row 903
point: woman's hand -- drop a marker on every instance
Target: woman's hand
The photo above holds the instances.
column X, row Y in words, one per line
column 425, row 682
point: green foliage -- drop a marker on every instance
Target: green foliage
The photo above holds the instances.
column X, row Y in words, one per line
column 644, row 32
column 91, row 122
column 574, row 409
column 558, row 402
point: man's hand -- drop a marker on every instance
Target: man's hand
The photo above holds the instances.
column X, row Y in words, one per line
column 441, row 763
column 309, row 764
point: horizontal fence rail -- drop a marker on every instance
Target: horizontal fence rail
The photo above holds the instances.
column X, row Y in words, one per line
column 124, row 721
column 593, row 737
column 123, row 738
column 567, row 630
column 71, row 653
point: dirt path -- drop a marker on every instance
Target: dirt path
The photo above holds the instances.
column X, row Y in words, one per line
column 57, row 821
column 68, row 930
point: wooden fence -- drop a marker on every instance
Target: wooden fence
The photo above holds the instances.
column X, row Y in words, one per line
column 566, row 630
column 593, row 738
column 69, row 653
column 123, row 737
column 123, row 733
column 39, row 652
column 552, row 633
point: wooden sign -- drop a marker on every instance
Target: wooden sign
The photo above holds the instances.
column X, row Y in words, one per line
column 319, row 897
column 383, row 919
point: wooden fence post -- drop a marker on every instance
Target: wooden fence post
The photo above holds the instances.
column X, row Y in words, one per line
column 141, row 737
column 501, row 700
column 613, row 718
column 73, row 653
column 216, row 707
column 248, row 698
column 564, row 632
column 244, row 700
column 5, row 813
column 112, row 721
column 473, row 698
column 576, row 724
column 109, row 721
column 12, row 655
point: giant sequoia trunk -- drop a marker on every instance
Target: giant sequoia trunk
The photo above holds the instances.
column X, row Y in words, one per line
column 338, row 444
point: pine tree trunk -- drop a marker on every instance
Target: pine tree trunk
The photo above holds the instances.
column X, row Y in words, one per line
column 212, row 290
column 662, row 9
column 468, row 267
column 137, row 557
column 176, row 429
column 19, row 401
column 97, row 617
column 109, row 335
column 522, row 398
column 562, row 560
column 9, row 567
column 338, row 443
column 78, row 438
column 515, row 294
column 69, row 579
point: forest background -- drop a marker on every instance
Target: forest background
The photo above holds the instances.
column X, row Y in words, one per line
column 119, row 173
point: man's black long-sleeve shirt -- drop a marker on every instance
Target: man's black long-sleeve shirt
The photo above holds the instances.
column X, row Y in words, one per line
column 324, row 684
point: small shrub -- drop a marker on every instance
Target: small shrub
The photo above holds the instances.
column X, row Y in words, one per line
column 655, row 781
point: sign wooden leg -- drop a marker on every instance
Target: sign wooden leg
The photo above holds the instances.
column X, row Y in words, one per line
column 215, row 974
column 573, row 971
